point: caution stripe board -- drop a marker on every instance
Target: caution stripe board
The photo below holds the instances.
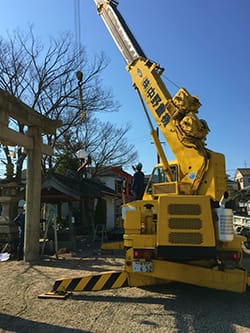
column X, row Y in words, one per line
column 102, row 281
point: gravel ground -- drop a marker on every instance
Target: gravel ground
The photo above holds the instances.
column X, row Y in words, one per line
column 170, row 308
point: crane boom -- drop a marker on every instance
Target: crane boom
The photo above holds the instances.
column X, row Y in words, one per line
column 201, row 170
column 123, row 37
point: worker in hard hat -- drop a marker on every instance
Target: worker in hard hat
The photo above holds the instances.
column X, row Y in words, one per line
column 138, row 182
column 20, row 222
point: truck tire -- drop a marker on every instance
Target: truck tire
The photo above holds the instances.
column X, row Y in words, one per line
column 246, row 247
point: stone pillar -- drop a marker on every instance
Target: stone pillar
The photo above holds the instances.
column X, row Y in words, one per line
column 8, row 202
column 33, row 198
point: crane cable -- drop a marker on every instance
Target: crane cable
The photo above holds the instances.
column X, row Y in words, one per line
column 77, row 23
column 79, row 74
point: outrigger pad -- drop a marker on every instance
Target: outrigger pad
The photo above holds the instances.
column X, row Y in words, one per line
column 56, row 295
column 63, row 287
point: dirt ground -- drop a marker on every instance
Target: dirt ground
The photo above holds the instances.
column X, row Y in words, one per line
column 170, row 308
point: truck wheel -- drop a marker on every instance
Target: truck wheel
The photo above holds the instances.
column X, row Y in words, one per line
column 246, row 247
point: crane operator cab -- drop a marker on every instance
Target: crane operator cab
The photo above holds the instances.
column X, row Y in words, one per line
column 160, row 184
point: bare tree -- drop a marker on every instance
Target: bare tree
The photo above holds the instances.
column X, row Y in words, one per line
column 104, row 142
column 44, row 77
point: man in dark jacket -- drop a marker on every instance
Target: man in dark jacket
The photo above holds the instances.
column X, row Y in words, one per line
column 138, row 182
column 20, row 222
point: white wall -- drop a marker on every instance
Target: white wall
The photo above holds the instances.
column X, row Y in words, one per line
column 109, row 181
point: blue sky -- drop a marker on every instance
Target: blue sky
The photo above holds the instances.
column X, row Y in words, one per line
column 204, row 46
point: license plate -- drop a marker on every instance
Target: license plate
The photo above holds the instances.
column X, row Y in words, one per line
column 139, row 266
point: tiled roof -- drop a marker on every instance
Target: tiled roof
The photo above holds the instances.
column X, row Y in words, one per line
column 244, row 171
column 56, row 185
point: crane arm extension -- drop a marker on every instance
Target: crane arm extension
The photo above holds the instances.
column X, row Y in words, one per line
column 146, row 77
column 120, row 32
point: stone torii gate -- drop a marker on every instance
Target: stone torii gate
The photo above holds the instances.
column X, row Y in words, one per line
column 32, row 142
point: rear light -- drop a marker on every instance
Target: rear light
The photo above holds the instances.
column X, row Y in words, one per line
column 137, row 254
column 143, row 254
column 230, row 256
column 235, row 256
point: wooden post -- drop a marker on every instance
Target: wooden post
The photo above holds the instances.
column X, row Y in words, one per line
column 71, row 221
column 33, row 198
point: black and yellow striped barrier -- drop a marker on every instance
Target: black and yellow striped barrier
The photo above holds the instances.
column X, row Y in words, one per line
column 93, row 282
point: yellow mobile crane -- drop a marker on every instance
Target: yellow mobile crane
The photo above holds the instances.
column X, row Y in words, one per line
column 180, row 230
